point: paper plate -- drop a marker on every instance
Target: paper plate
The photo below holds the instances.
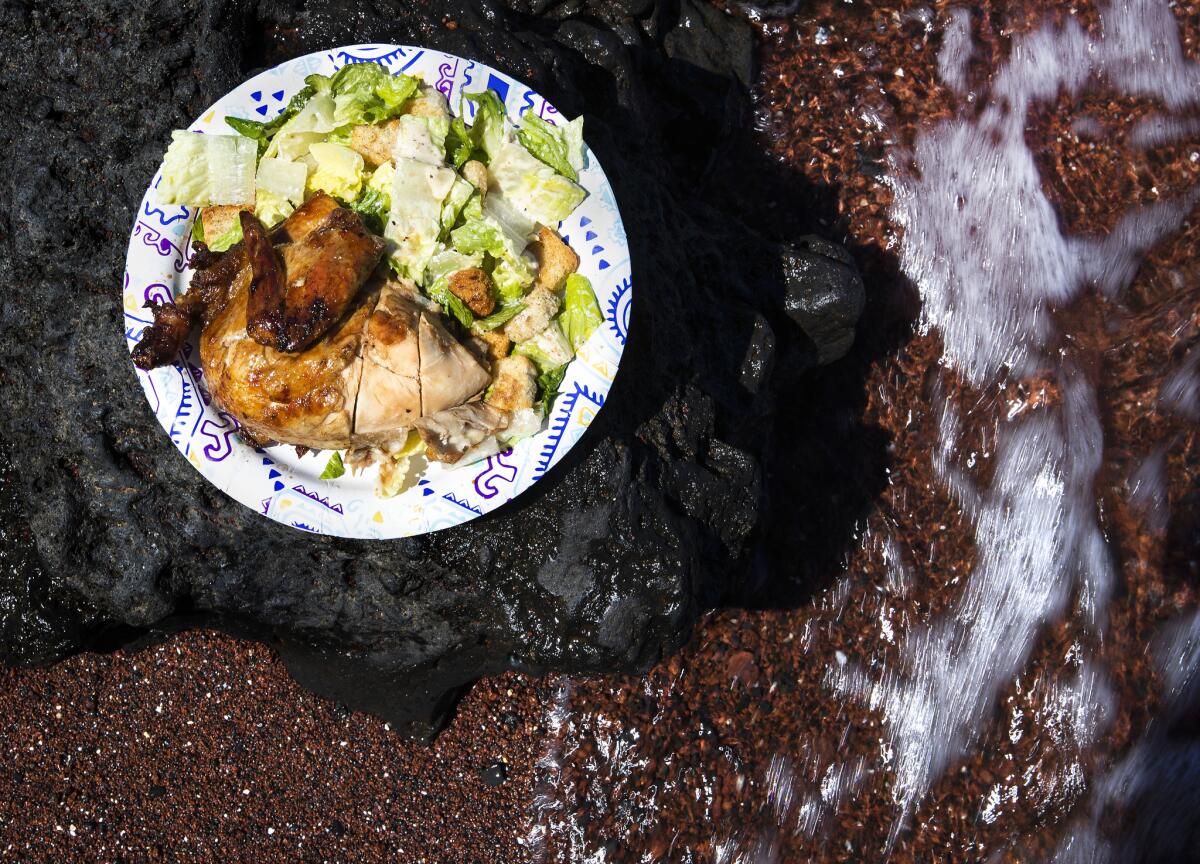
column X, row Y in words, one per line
column 275, row 482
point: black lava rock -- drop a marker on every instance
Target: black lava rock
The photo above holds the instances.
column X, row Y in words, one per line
column 604, row 565
column 825, row 294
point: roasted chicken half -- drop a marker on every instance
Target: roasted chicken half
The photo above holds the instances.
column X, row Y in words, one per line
column 302, row 345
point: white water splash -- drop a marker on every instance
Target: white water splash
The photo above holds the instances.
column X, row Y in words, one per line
column 985, row 249
column 554, row 809
column 1156, row 780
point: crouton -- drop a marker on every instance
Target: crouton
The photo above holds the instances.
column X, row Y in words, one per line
column 515, row 384
column 495, row 344
column 429, row 102
column 474, row 287
column 218, row 219
column 375, row 143
column 556, row 260
column 476, row 172
column 540, row 307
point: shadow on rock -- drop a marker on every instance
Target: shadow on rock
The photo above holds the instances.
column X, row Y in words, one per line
column 728, row 464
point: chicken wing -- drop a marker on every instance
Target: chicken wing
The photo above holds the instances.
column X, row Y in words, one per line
column 299, row 290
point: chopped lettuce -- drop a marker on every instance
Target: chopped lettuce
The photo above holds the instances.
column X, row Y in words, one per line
column 487, row 130
column 422, row 138
column 548, row 383
column 512, row 219
column 573, row 135
column 552, row 345
column 262, row 130
column 367, row 93
column 372, row 206
column 311, row 125
column 334, row 467
column 200, row 170
column 283, row 178
column 512, row 278
column 500, row 317
column 375, row 199
column 452, row 208
column 460, row 146
column 448, row 262
column 381, row 180
column 551, row 145
column 414, row 224
column 581, row 313
column 547, row 351
column 524, row 422
column 270, row 209
column 339, row 171
column 533, row 187
column 484, row 231
column 279, row 188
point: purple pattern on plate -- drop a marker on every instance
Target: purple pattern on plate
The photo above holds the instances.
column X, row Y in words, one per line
column 154, row 238
column 336, row 508
column 446, row 73
column 496, row 470
column 221, row 436
column 158, row 293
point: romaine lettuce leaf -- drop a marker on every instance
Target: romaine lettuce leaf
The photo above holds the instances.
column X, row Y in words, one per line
column 200, row 170
column 339, row 171
column 552, row 346
column 512, row 272
column 533, row 187
column 414, row 224
column 334, row 468
column 448, row 262
column 367, row 93
column 549, row 143
column 573, row 135
column 422, row 138
column 487, row 130
column 279, row 189
column 460, row 146
column 375, row 200
column 541, row 359
column 500, row 317
column 270, row 208
column 548, row 383
column 524, row 422
column 460, row 192
column 512, row 278
column 581, row 313
column 441, row 267
column 373, row 207
column 262, row 130
column 282, row 178
column 312, row 124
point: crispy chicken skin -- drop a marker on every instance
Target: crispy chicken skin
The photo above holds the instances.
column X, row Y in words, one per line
column 209, row 290
column 302, row 288
column 306, row 397
column 214, row 273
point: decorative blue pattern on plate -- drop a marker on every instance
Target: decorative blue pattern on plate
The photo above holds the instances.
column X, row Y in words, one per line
column 289, row 489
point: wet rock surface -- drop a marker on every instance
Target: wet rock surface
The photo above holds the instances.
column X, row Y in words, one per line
column 604, row 565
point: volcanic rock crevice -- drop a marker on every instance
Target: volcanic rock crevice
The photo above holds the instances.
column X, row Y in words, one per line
column 659, row 513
